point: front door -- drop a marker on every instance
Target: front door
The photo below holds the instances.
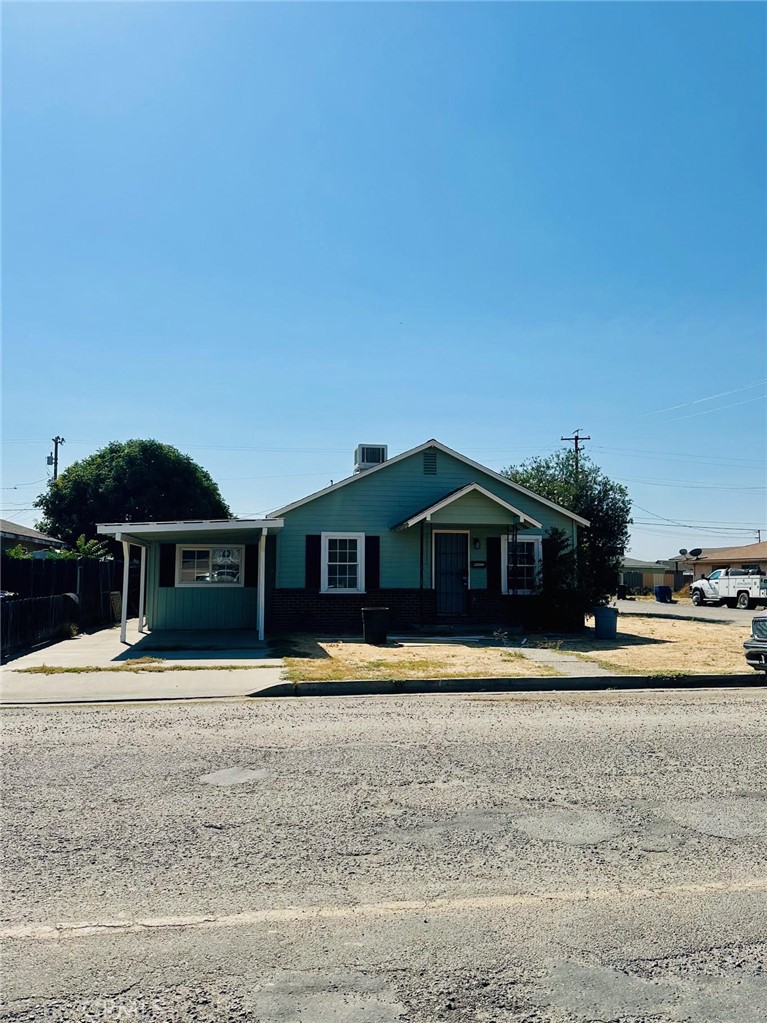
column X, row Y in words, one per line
column 451, row 566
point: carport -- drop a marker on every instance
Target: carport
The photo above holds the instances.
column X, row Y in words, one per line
column 197, row 574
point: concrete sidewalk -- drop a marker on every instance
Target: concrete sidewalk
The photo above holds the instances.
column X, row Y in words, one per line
column 121, row 686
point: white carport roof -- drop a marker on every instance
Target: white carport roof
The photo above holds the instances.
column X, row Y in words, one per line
column 223, row 531
column 180, row 530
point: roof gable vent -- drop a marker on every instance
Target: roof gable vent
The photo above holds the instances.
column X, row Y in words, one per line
column 430, row 462
column 368, row 455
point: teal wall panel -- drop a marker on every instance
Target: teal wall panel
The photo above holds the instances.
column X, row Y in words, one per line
column 189, row 607
column 375, row 502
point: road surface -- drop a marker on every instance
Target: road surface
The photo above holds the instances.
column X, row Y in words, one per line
column 539, row 858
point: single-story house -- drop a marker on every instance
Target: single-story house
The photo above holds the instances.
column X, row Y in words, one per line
column 429, row 533
column 648, row 574
column 13, row 534
column 750, row 555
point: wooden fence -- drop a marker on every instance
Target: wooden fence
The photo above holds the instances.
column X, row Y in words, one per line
column 25, row 623
column 91, row 582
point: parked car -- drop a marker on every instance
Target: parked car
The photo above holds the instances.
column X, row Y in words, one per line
column 756, row 647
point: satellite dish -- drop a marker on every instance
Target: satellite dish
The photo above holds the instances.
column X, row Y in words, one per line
column 696, row 552
column 683, row 550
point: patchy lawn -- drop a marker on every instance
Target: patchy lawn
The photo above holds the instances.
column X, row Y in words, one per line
column 658, row 645
column 311, row 660
column 644, row 646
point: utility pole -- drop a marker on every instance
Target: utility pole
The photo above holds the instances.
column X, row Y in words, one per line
column 54, row 458
column 577, row 440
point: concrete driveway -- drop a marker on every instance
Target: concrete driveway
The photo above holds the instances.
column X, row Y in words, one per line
column 189, row 666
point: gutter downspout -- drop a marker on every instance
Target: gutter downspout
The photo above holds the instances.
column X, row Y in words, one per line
column 261, row 599
column 124, row 608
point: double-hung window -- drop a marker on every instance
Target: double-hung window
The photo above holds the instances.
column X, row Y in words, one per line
column 343, row 563
column 209, row 566
column 520, row 564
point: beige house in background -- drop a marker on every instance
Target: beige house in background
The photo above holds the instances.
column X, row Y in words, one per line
column 752, row 555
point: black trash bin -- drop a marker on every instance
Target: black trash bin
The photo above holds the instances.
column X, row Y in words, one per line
column 623, row 591
column 375, row 624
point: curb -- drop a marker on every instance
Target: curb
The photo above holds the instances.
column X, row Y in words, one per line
column 545, row 684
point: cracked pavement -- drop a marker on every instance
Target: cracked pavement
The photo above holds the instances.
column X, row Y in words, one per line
column 546, row 858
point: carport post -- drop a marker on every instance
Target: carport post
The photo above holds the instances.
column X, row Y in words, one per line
column 261, row 582
column 142, row 579
column 124, row 609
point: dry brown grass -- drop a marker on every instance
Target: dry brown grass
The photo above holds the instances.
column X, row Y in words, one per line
column 648, row 645
column 333, row 660
column 652, row 644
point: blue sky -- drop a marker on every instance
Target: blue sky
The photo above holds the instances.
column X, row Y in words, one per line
column 267, row 232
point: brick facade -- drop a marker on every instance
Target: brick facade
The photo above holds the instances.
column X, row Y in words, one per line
column 296, row 610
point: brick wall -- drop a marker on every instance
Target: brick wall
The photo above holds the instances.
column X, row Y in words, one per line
column 291, row 610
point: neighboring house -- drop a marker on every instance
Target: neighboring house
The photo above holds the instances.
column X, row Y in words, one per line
column 13, row 534
column 751, row 555
column 429, row 533
column 647, row 574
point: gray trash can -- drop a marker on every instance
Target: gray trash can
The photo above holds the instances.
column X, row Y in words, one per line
column 605, row 622
column 375, row 624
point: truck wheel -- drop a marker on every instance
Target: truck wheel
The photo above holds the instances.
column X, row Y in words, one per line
column 743, row 601
column 697, row 598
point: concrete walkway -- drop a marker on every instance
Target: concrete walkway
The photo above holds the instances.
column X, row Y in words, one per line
column 569, row 664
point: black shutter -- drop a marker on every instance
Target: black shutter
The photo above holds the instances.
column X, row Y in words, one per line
column 313, row 558
column 271, row 561
column 250, row 571
column 167, row 564
column 494, row 564
column 372, row 563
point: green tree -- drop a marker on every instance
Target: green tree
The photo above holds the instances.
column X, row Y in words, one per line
column 593, row 495
column 131, row 481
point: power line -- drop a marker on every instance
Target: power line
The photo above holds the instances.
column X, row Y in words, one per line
column 698, row 401
column 719, row 408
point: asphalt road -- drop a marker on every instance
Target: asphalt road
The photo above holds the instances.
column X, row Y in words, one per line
column 547, row 859
column 706, row 613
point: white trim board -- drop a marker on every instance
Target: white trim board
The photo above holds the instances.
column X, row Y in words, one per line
column 188, row 526
column 414, row 451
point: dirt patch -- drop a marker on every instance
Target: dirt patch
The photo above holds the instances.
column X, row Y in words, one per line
column 336, row 660
column 648, row 645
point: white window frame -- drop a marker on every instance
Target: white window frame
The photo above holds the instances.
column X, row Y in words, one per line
column 360, row 538
column 210, row 547
column 537, row 555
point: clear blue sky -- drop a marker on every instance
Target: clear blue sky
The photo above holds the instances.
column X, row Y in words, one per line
column 265, row 233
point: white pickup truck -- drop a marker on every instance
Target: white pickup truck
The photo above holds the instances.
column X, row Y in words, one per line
column 736, row 587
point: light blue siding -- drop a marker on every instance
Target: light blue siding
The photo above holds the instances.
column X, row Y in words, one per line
column 375, row 502
column 189, row 607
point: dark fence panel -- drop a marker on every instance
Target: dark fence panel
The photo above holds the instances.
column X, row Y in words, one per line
column 24, row 623
column 91, row 580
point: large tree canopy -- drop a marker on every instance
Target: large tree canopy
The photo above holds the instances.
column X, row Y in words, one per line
column 138, row 481
column 591, row 494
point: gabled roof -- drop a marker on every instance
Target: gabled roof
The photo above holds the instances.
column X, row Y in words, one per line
column 456, row 495
column 414, row 451
column 15, row 531
column 747, row 552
